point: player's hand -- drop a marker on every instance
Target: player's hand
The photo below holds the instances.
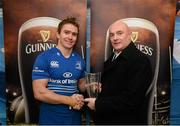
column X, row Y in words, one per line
column 79, row 101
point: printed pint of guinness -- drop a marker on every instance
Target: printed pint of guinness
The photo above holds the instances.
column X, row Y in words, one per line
column 145, row 36
column 35, row 36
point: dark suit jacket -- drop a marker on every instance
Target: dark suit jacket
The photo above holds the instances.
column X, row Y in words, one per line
column 124, row 85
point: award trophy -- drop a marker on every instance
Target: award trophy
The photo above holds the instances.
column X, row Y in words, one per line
column 93, row 84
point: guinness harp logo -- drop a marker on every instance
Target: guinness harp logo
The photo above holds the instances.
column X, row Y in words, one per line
column 45, row 35
column 134, row 36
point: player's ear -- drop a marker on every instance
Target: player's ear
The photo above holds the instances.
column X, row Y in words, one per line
column 57, row 35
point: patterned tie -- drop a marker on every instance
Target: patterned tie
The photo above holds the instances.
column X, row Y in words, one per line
column 114, row 57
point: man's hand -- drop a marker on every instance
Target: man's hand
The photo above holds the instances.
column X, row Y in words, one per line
column 79, row 101
column 91, row 103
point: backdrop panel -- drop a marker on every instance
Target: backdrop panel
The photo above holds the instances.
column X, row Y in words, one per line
column 175, row 87
column 152, row 23
column 2, row 73
column 30, row 28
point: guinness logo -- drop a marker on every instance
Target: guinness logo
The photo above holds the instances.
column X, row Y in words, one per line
column 134, row 36
column 45, row 35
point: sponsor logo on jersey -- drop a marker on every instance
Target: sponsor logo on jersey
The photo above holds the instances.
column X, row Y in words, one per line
column 63, row 81
column 78, row 65
column 67, row 75
column 36, row 69
column 54, row 64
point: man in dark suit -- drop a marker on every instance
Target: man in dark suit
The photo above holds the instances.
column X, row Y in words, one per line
column 126, row 78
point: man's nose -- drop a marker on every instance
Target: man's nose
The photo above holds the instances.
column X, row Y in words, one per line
column 70, row 36
column 115, row 37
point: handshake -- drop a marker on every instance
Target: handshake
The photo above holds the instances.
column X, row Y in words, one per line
column 78, row 100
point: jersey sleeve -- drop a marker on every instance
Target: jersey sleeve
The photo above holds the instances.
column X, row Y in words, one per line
column 40, row 68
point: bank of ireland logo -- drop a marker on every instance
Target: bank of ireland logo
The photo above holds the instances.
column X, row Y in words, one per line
column 134, row 36
column 45, row 35
column 67, row 75
column 54, row 64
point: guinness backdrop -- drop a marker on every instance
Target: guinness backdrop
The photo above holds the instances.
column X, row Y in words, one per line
column 30, row 28
column 152, row 24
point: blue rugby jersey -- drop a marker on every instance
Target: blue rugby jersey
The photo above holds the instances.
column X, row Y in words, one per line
column 63, row 75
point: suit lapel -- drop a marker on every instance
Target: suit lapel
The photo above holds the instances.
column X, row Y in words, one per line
column 121, row 59
column 109, row 64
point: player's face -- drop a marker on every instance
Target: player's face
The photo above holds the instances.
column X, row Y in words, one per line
column 119, row 36
column 68, row 36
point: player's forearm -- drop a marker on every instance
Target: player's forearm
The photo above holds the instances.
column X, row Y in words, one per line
column 53, row 98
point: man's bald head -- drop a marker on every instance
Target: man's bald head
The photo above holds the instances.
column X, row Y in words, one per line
column 120, row 35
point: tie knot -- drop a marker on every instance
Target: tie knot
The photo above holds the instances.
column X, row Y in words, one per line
column 114, row 57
